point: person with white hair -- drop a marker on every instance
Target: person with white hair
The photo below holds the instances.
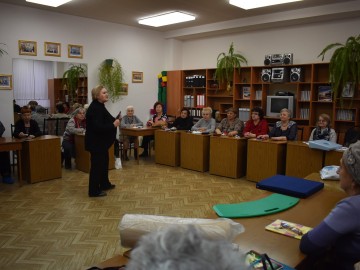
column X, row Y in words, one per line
column 206, row 123
column 185, row 247
column 335, row 242
column 129, row 120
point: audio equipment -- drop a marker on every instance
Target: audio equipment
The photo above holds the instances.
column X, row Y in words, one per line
column 266, row 74
column 296, row 74
column 280, row 74
column 288, row 59
column 267, row 60
column 277, row 59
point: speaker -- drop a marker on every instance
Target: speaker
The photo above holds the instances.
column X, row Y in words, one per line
column 280, row 74
column 266, row 74
column 267, row 60
column 296, row 74
column 288, row 59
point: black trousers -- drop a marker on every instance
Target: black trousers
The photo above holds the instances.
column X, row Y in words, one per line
column 99, row 173
column 5, row 168
column 69, row 152
column 145, row 142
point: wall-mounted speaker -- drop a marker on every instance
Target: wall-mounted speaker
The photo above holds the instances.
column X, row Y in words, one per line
column 266, row 74
column 296, row 74
column 288, row 59
column 267, row 60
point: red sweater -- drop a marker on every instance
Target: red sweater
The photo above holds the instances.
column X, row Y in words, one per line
column 261, row 128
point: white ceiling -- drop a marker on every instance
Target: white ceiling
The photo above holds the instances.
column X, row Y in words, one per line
column 212, row 16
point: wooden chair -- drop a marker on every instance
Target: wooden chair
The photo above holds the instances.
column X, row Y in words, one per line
column 50, row 126
column 61, row 126
column 300, row 133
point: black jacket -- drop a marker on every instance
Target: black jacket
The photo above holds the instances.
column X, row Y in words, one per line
column 100, row 131
column 183, row 123
column 20, row 127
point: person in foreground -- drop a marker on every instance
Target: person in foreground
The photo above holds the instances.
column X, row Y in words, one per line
column 76, row 125
column 184, row 121
column 206, row 123
column 257, row 125
column 5, row 167
column 323, row 130
column 184, row 247
column 336, row 240
column 231, row 125
column 99, row 137
column 26, row 127
column 284, row 130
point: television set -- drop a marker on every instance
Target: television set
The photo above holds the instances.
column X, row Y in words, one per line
column 275, row 104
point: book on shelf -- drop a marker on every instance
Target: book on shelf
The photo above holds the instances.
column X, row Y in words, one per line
column 258, row 94
column 246, row 92
column 325, row 93
column 305, row 96
column 345, row 115
column 348, row 90
column 288, row 228
column 257, row 261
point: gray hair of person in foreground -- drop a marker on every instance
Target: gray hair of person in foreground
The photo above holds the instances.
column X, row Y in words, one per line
column 184, row 248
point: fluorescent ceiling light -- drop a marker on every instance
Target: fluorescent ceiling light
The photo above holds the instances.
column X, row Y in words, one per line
column 51, row 3
column 166, row 19
column 249, row 4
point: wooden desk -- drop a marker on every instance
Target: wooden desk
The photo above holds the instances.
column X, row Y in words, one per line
column 194, row 153
column 41, row 159
column 333, row 157
column 83, row 157
column 265, row 158
column 114, row 261
column 167, row 147
column 302, row 160
column 136, row 132
column 12, row 144
column 228, row 156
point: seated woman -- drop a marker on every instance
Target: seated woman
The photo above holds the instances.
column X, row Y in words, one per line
column 231, row 125
column 129, row 120
column 323, row 131
column 207, row 123
column 257, row 125
column 76, row 125
column 284, row 130
column 184, row 121
column 26, row 127
column 335, row 242
column 159, row 119
column 5, row 167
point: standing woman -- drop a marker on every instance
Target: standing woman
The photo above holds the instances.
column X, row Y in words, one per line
column 100, row 135
column 323, row 130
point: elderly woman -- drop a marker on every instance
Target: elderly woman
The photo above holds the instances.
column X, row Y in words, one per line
column 337, row 237
column 284, row 130
column 207, row 123
column 159, row 119
column 26, row 127
column 184, row 121
column 323, row 130
column 257, row 125
column 76, row 125
column 231, row 125
column 99, row 137
column 129, row 120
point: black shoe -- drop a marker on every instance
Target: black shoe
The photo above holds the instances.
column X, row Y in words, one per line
column 109, row 187
column 101, row 194
column 144, row 154
column 126, row 158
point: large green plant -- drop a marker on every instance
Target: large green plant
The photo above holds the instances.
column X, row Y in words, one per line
column 226, row 64
column 344, row 64
column 71, row 78
column 111, row 77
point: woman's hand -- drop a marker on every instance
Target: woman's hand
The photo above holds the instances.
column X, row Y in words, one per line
column 23, row 135
column 116, row 123
column 232, row 133
column 263, row 137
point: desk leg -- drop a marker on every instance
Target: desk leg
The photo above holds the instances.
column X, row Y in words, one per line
column 18, row 152
column 137, row 152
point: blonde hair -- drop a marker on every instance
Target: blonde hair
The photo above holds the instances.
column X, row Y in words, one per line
column 326, row 117
column 95, row 92
column 206, row 109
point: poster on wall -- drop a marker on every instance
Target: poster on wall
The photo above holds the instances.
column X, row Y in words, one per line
column 5, row 82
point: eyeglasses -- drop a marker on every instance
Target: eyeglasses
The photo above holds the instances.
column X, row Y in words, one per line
column 287, row 226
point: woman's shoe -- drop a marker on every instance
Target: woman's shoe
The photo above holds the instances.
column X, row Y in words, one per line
column 144, row 154
column 101, row 194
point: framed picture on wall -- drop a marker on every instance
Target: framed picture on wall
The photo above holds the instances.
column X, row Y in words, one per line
column 75, row 51
column 137, row 77
column 5, row 82
column 27, row 47
column 124, row 89
column 52, row 49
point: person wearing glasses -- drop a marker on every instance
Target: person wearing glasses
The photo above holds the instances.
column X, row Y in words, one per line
column 323, row 130
column 231, row 125
column 335, row 242
column 206, row 123
column 257, row 125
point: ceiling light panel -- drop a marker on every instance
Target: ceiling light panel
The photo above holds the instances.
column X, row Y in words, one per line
column 250, row 4
column 51, row 3
column 167, row 19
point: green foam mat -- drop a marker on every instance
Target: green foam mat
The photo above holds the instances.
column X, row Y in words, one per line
column 269, row 205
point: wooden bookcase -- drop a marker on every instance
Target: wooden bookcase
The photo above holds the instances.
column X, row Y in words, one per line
column 58, row 93
column 249, row 91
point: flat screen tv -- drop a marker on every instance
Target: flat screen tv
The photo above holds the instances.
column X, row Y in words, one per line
column 276, row 103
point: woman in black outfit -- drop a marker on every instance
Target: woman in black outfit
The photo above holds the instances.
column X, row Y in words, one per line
column 184, row 121
column 100, row 135
column 26, row 127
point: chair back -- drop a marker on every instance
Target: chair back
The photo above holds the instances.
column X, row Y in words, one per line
column 50, row 126
column 12, row 128
column 300, row 133
column 61, row 126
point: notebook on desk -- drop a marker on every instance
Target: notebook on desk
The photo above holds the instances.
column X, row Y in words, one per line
column 292, row 186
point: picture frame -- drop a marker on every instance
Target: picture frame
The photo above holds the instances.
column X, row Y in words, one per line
column 75, row 51
column 324, row 93
column 246, row 92
column 137, row 77
column 348, row 90
column 27, row 47
column 52, row 49
column 124, row 89
column 5, row 82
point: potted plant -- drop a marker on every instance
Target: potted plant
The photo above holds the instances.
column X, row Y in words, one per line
column 71, row 78
column 226, row 64
column 344, row 67
column 111, row 77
